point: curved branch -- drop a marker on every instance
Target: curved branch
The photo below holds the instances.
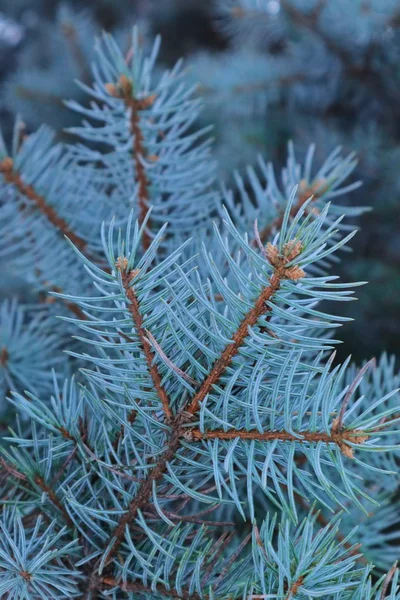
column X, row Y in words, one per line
column 12, row 177
column 143, row 495
column 40, row 482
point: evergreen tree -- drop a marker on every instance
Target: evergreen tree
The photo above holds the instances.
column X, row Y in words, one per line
column 206, row 437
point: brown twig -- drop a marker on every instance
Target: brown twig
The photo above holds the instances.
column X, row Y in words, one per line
column 134, row 309
column 141, row 499
column 387, row 581
column 238, row 338
column 338, row 422
column 294, row 588
column 169, row 362
column 40, row 482
column 124, row 91
column 38, row 95
column 232, row 559
column 286, row 80
column 339, row 438
column 14, row 178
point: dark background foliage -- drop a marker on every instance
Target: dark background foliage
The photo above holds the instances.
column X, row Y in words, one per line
column 363, row 115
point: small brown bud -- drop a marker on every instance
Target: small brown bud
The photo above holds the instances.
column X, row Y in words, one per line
column 316, row 189
column 336, row 424
column 125, row 85
column 291, row 250
column 134, row 273
column 6, row 165
column 272, row 254
column 121, row 263
column 111, row 89
column 148, row 102
column 346, row 450
column 294, row 273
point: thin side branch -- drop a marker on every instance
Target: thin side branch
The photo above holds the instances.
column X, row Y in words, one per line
column 252, row 87
column 294, row 588
column 387, row 581
column 239, row 337
column 338, row 423
column 124, row 91
column 134, row 309
column 141, row 499
column 14, row 178
column 338, row 438
column 38, row 96
column 40, row 482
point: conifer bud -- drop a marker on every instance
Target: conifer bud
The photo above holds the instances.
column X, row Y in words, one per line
column 291, row 250
column 6, row 165
column 111, row 89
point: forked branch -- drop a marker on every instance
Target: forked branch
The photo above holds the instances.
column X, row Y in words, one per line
column 178, row 430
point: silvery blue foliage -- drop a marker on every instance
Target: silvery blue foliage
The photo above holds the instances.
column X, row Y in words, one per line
column 30, row 348
column 39, row 202
column 35, row 559
column 144, row 120
column 209, row 436
column 324, row 72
